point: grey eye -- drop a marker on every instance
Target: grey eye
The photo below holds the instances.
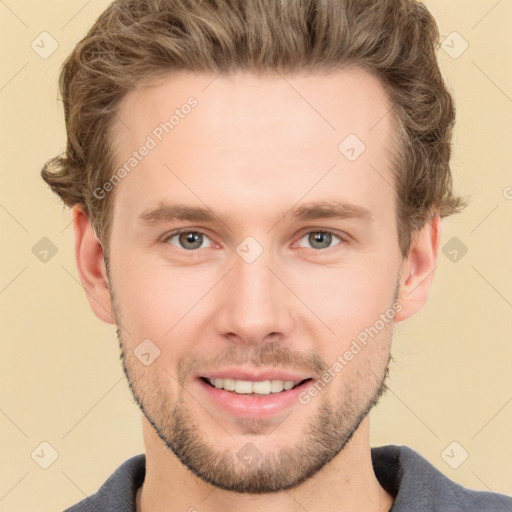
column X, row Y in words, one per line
column 319, row 239
column 189, row 240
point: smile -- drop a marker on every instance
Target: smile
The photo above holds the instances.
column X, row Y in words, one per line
column 252, row 399
column 247, row 387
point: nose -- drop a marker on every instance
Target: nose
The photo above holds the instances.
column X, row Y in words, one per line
column 254, row 305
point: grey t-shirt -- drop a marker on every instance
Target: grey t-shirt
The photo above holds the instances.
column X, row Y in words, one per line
column 416, row 485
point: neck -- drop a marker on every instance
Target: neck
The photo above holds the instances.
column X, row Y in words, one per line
column 346, row 483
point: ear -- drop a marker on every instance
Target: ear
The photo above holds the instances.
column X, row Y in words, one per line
column 418, row 269
column 91, row 266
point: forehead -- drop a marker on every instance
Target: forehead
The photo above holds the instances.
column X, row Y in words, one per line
column 349, row 99
column 263, row 135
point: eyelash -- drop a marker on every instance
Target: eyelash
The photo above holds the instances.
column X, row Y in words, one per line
column 199, row 231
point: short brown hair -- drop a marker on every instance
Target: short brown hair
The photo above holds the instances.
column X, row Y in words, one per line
column 133, row 41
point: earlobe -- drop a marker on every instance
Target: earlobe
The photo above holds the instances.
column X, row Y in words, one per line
column 419, row 269
column 91, row 266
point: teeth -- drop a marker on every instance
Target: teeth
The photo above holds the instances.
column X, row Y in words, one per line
column 261, row 388
column 243, row 386
column 246, row 387
column 276, row 386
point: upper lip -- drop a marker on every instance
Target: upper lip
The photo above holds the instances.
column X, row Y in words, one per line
column 255, row 375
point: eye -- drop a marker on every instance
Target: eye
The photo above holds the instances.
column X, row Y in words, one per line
column 319, row 239
column 189, row 240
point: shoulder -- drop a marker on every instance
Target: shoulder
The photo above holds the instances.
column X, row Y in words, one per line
column 420, row 487
column 118, row 492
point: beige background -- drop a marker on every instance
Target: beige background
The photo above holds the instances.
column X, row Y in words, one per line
column 62, row 381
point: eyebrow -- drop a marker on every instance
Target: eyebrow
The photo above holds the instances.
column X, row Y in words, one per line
column 165, row 212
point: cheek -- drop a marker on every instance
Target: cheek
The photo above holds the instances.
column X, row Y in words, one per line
column 156, row 300
column 348, row 299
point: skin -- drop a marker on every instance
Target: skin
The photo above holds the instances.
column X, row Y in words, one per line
column 252, row 150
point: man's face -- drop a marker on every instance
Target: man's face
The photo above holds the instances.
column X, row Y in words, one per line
column 268, row 288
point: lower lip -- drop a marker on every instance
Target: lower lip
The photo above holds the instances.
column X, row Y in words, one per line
column 252, row 406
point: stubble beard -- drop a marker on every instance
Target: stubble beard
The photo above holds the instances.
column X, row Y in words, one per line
column 326, row 435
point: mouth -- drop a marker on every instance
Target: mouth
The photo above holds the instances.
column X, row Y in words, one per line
column 253, row 388
column 251, row 393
